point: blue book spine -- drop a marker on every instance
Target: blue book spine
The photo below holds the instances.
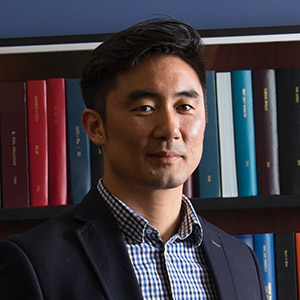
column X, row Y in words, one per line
column 244, row 132
column 247, row 239
column 264, row 250
column 209, row 167
column 79, row 165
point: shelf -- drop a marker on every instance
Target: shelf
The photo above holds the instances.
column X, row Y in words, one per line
column 227, row 40
column 223, row 57
column 89, row 42
column 258, row 202
column 259, row 214
column 32, row 213
column 200, row 205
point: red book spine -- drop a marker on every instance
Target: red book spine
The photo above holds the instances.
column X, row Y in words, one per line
column 57, row 141
column 37, row 142
column 14, row 154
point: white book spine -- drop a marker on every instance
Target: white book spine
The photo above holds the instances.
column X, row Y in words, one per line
column 226, row 135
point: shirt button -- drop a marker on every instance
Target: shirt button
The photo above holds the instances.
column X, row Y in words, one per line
column 148, row 231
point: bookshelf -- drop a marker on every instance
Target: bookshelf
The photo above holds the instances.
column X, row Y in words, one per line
column 47, row 59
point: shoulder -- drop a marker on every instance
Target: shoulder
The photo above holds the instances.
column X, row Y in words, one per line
column 61, row 232
column 238, row 255
column 224, row 251
column 236, row 250
column 62, row 226
column 46, row 235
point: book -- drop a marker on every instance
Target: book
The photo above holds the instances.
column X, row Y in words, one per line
column 188, row 187
column 97, row 167
column 226, row 135
column 244, row 132
column 37, row 142
column 297, row 240
column 264, row 250
column 0, row 174
column 79, row 164
column 247, row 239
column 209, row 167
column 285, row 266
column 196, row 183
column 266, row 131
column 57, row 149
column 288, row 101
column 14, row 145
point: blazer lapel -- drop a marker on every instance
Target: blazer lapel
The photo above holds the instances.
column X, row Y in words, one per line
column 101, row 241
column 215, row 256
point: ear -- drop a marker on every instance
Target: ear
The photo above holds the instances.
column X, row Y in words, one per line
column 93, row 124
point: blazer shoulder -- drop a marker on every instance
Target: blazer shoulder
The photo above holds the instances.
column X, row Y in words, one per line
column 60, row 226
column 230, row 242
column 16, row 270
column 238, row 257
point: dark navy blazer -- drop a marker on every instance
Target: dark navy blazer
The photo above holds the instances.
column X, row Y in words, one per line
column 80, row 255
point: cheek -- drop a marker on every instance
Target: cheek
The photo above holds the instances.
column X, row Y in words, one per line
column 195, row 130
column 194, row 140
column 125, row 134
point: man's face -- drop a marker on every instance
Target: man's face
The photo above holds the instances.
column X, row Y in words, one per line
column 154, row 125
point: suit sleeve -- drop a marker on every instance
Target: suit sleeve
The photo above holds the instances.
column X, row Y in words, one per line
column 18, row 279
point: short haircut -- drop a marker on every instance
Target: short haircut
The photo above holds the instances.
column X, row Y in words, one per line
column 126, row 49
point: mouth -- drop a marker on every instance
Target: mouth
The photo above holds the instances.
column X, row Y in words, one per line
column 165, row 157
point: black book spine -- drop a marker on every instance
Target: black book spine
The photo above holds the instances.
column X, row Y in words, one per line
column 288, row 96
column 286, row 266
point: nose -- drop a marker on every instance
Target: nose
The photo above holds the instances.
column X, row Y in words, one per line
column 167, row 126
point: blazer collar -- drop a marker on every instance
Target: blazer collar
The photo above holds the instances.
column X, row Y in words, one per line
column 215, row 257
column 102, row 243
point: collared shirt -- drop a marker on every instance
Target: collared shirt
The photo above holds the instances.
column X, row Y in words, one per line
column 171, row 270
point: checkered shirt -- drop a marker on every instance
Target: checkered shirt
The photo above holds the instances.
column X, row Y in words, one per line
column 172, row 270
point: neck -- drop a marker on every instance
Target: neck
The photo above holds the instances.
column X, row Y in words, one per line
column 161, row 208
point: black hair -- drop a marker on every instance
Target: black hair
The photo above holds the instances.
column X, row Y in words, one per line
column 126, row 49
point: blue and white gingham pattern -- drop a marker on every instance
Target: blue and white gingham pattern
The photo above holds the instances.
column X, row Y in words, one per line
column 171, row 270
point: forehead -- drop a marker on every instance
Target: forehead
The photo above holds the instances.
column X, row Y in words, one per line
column 159, row 71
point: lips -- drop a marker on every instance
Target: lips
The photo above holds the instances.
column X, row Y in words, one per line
column 166, row 157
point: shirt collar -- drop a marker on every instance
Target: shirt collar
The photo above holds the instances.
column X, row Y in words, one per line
column 190, row 226
column 137, row 228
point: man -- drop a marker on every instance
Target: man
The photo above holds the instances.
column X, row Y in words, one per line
column 135, row 236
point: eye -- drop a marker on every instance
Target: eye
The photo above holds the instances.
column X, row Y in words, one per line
column 185, row 107
column 145, row 108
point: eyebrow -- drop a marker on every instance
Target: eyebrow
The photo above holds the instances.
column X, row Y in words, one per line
column 140, row 94
column 189, row 94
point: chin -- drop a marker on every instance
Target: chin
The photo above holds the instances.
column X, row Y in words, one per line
column 166, row 183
